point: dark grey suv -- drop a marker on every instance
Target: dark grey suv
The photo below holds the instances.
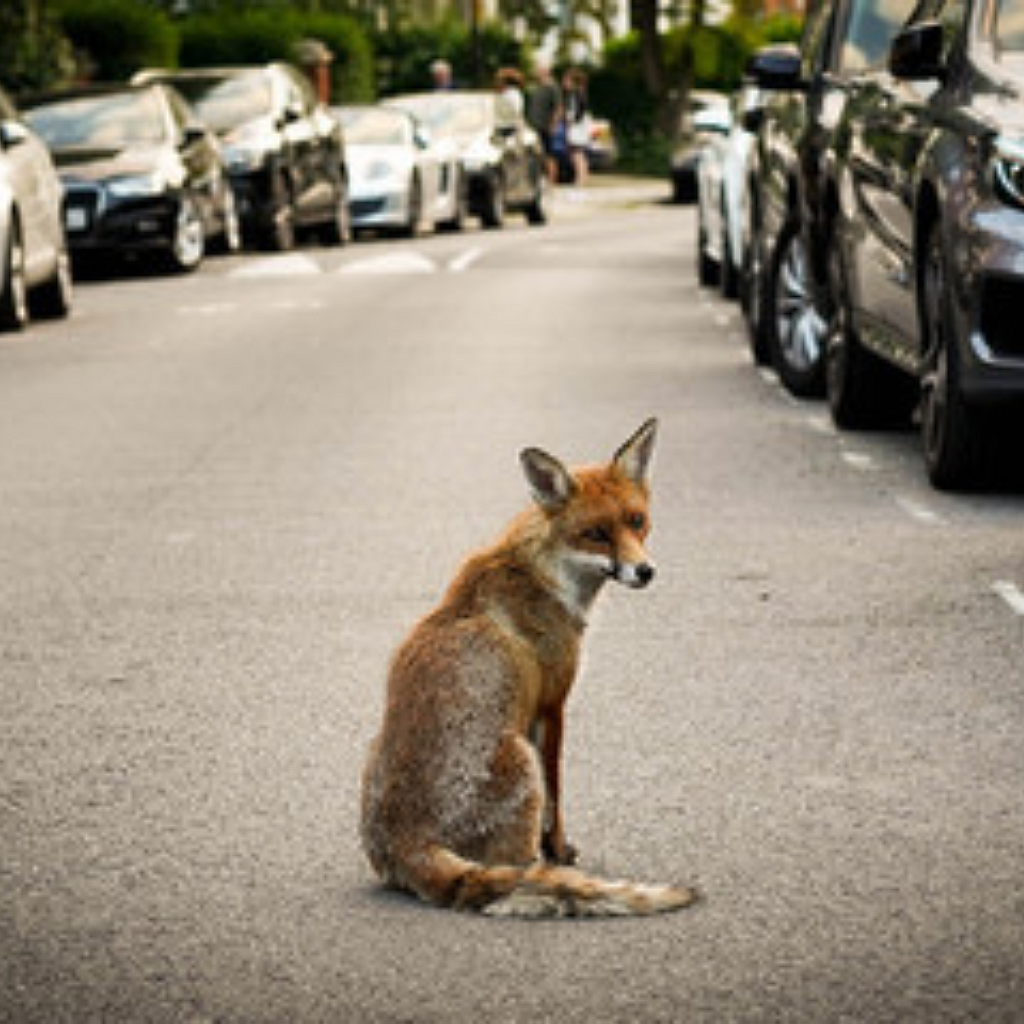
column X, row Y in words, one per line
column 927, row 274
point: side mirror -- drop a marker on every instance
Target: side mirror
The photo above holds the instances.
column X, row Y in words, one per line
column 12, row 134
column 916, row 52
column 776, row 67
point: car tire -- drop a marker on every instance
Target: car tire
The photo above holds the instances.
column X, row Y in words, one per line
column 795, row 326
column 52, row 299
column 457, row 222
column 536, row 210
column 708, row 268
column 278, row 234
column 493, row 213
column 754, row 292
column 14, row 288
column 188, row 244
column 229, row 239
column 338, row 229
column 864, row 392
column 957, row 440
column 728, row 274
column 413, row 225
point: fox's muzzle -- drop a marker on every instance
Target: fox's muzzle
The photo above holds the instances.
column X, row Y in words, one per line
column 636, row 575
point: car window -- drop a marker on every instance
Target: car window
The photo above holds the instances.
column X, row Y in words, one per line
column 374, row 127
column 101, row 122
column 869, row 33
column 226, row 102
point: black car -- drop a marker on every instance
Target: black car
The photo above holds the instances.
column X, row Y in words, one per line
column 501, row 155
column 140, row 174
column 284, row 151
column 787, row 237
column 928, row 267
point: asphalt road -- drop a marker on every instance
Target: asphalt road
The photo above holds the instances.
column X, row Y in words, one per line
column 224, row 497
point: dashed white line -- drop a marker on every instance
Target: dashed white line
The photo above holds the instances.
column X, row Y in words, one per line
column 463, row 260
column 920, row 512
column 1011, row 594
column 859, row 460
column 290, row 265
column 392, row 263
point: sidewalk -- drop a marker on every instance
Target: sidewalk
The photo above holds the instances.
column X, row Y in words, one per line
column 604, row 191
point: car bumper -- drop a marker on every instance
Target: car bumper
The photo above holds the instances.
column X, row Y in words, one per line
column 384, row 210
column 95, row 222
column 993, row 362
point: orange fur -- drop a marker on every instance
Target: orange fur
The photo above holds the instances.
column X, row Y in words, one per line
column 461, row 791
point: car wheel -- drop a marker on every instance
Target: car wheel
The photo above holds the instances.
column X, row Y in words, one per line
column 796, row 328
column 728, row 275
column 414, row 213
column 338, row 230
column 956, row 439
column 188, row 246
column 458, row 220
column 493, row 213
column 863, row 391
column 754, row 294
column 13, row 288
column 707, row 266
column 536, row 211
column 230, row 237
column 52, row 299
column 279, row 232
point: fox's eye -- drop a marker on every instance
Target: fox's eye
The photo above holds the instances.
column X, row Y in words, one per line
column 636, row 520
column 597, row 535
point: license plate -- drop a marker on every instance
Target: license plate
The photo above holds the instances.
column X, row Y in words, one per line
column 76, row 219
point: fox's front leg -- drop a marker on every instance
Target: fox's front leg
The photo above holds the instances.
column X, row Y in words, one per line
column 548, row 739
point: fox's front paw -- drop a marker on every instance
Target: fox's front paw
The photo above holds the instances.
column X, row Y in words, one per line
column 558, row 851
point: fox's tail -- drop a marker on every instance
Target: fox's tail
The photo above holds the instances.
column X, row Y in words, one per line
column 540, row 891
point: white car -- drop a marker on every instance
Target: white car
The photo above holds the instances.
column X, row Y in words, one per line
column 399, row 179
column 35, row 273
column 722, row 174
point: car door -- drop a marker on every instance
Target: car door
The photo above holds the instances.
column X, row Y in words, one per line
column 888, row 125
column 36, row 191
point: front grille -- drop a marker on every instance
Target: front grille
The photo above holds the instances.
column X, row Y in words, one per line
column 367, row 207
column 1002, row 299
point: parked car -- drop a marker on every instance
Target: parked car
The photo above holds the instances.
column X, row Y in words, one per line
column 927, row 241
column 722, row 176
column 140, row 174
column 398, row 180
column 502, row 157
column 284, row 151
column 711, row 108
column 35, row 276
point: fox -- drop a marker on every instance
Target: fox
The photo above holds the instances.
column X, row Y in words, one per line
column 461, row 790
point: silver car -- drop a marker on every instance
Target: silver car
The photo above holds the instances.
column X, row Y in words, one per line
column 35, row 274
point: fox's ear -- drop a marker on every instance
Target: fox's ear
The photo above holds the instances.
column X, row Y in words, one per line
column 634, row 457
column 551, row 483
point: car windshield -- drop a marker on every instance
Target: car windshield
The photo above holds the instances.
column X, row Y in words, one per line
column 373, row 127
column 226, row 101
column 100, row 122
column 448, row 114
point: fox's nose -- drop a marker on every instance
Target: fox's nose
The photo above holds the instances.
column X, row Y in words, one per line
column 644, row 574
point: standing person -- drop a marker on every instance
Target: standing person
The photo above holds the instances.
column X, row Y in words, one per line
column 544, row 111
column 441, row 74
column 576, row 114
column 509, row 84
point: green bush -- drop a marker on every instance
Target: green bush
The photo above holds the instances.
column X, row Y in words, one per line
column 257, row 36
column 114, row 38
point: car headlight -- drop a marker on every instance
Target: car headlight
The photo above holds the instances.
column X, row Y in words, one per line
column 1008, row 168
column 135, row 186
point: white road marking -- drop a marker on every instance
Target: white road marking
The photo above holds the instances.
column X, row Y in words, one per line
column 859, row 460
column 209, row 309
column 819, row 424
column 917, row 511
column 463, row 260
column 723, row 319
column 393, row 263
column 287, row 265
column 766, row 375
column 1011, row 594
